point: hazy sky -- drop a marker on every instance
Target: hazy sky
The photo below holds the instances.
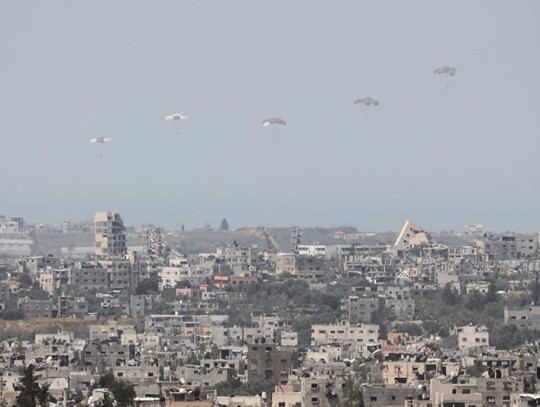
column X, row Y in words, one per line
column 73, row 70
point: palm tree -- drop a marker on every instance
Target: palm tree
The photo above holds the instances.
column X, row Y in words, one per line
column 352, row 393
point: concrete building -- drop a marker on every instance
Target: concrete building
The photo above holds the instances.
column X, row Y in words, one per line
column 402, row 310
column 33, row 264
column 387, row 396
column 312, row 250
column 361, row 309
column 267, row 362
column 72, row 306
column 237, row 257
column 89, row 276
column 528, row 317
column 9, row 225
column 361, row 335
column 36, row 308
column 169, row 276
column 141, row 304
column 471, row 336
column 287, row 395
column 509, row 247
column 110, row 235
column 412, row 235
column 285, row 263
column 450, row 393
column 51, row 280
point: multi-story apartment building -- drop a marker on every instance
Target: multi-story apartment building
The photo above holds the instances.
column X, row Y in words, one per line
column 88, row 276
column 267, row 362
column 471, row 336
column 361, row 308
column 36, row 308
column 110, row 236
column 528, row 317
column 364, row 334
column 511, row 246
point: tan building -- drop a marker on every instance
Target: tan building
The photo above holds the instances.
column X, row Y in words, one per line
column 402, row 371
column 363, row 334
column 412, row 235
column 287, row 395
column 110, row 235
column 471, row 336
column 285, row 263
column 448, row 393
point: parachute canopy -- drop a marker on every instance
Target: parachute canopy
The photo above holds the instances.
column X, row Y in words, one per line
column 176, row 116
column 368, row 101
column 100, row 140
column 445, row 70
column 273, row 120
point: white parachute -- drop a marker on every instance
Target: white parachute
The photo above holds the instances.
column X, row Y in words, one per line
column 445, row 70
column 273, row 120
column 368, row 101
column 176, row 117
column 100, row 140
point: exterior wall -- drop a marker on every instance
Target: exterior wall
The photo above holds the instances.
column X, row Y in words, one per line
column 289, row 338
column 472, row 337
column 285, row 263
column 287, row 395
column 48, row 281
column 89, row 277
column 36, row 308
column 312, row 250
column 119, row 275
column 11, row 225
column 508, row 247
column 525, row 318
column 169, row 276
column 387, row 396
column 360, row 309
column 141, row 304
column 363, row 334
column 448, row 394
column 402, row 371
column 402, row 310
column 268, row 363
column 110, row 235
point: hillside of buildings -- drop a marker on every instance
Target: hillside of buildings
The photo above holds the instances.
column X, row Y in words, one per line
column 260, row 317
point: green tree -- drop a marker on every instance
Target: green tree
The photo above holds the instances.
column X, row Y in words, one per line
column 31, row 393
column 535, row 291
column 122, row 390
column 183, row 284
column 43, row 395
column 224, row 224
column 147, row 286
column 192, row 359
column 352, row 393
column 449, row 295
column 25, row 280
column 106, row 401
